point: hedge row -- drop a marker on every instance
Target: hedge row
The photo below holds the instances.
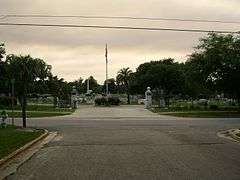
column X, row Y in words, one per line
column 107, row 101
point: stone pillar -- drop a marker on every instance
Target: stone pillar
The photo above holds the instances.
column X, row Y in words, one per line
column 148, row 98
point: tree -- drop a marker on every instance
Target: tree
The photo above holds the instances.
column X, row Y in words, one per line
column 65, row 89
column 165, row 75
column 93, row 84
column 3, row 73
column 196, row 84
column 2, row 51
column 79, row 85
column 218, row 60
column 54, row 88
column 123, row 78
column 111, row 85
column 26, row 70
column 59, row 89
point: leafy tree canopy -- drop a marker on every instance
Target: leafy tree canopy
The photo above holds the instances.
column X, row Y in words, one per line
column 217, row 63
column 2, row 51
column 123, row 81
column 25, row 70
column 164, row 74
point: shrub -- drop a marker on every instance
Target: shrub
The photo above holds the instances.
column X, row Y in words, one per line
column 2, row 107
column 213, row 107
column 98, row 101
column 114, row 101
column 103, row 101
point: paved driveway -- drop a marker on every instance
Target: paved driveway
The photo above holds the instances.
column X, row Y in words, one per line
column 129, row 142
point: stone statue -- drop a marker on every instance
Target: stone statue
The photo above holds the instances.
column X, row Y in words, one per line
column 74, row 97
column 148, row 98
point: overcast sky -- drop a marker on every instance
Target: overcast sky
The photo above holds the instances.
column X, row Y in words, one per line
column 76, row 52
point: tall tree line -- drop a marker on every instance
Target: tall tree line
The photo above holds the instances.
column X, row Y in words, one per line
column 213, row 68
column 32, row 76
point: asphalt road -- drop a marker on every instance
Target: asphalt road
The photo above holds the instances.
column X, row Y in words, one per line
column 129, row 142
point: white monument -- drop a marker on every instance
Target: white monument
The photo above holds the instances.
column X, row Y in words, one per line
column 148, row 98
column 74, row 97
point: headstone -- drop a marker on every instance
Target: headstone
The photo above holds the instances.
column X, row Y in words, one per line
column 148, row 98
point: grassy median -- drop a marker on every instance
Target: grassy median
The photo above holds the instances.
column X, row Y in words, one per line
column 33, row 114
column 12, row 138
column 39, row 111
column 201, row 113
column 204, row 114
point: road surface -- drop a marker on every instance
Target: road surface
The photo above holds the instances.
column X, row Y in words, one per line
column 129, row 142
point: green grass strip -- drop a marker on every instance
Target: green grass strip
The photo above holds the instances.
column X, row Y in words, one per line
column 205, row 114
column 12, row 138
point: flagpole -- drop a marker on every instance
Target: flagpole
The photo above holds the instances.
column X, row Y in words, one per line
column 106, row 55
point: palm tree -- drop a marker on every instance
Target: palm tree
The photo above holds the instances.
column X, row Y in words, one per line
column 26, row 70
column 122, row 78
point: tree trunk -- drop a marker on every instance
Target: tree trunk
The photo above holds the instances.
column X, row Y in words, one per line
column 24, row 104
column 128, row 94
column 167, row 101
column 128, row 98
column 54, row 101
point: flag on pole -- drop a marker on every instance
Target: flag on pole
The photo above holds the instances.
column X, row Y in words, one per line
column 106, row 53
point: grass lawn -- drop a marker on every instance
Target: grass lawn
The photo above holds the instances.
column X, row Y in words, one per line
column 39, row 111
column 199, row 113
column 36, row 107
column 204, row 114
column 32, row 114
column 12, row 138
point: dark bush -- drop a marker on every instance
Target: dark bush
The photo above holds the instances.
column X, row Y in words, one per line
column 114, row 101
column 6, row 101
column 213, row 107
column 98, row 101
column 2, row 107
column 104, row 101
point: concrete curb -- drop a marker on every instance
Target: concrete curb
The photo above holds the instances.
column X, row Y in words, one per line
column 23, row 148
column 230, row 134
